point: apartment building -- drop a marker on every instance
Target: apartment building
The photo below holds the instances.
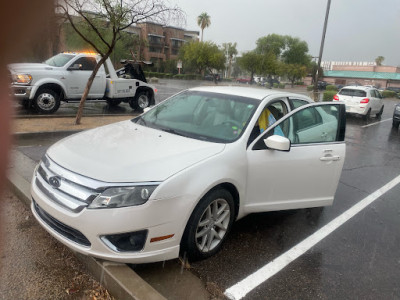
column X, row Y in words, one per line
column 162, row 43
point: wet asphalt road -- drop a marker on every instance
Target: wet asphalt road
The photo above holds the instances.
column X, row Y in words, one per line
column 360, row 260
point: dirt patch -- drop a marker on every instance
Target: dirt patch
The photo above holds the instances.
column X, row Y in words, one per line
column 21, row 125
column 33, row 265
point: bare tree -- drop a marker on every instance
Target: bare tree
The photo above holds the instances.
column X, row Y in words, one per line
column 102, row 16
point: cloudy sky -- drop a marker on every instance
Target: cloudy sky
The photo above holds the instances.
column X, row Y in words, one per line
column 358, row 30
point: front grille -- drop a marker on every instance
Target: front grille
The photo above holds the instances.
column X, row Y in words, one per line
column 66, row 231
column 62, row 187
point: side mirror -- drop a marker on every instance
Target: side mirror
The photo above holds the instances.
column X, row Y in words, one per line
column 277, row 142
column 75, row 67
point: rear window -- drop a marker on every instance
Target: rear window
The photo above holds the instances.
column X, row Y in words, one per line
column 353, row 93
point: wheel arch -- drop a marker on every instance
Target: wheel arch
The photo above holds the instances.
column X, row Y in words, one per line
column 54, row 87
column 231, row 188
column 149, row 91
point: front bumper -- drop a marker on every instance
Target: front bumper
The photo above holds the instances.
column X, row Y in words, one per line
column 83, row 230
column 22, row 91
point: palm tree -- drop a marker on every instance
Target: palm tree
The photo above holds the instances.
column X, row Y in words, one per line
column 203, row 21
column 379, row 60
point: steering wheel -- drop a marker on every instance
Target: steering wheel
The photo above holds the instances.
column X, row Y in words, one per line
column 232, row 123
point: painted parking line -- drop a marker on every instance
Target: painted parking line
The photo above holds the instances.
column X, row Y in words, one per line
column 372, row 124
column 242, row 288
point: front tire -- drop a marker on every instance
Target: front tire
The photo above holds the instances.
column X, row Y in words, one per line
column 208, row 225
column 395, row 124
column 46, row 101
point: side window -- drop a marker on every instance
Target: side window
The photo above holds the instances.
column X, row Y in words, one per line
column 270, row 114
column 88, row 63
column 314, row 124
column 296, row 103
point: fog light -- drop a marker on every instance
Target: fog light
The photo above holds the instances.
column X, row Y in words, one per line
column 130, row 241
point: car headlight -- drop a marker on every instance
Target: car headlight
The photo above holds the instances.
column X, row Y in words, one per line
column 22, row 78
column 397, row 108
column 123, row 196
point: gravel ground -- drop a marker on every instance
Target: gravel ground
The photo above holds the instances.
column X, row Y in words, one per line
column 33, row 265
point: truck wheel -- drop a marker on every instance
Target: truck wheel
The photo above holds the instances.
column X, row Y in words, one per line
column 46, row 101
column 141, row 101
column 113, row 102
column 208, row 225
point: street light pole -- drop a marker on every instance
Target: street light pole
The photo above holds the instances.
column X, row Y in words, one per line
column 321, row 49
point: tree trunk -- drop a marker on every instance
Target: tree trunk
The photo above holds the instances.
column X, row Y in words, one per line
column 230, row 67
column 87, row 88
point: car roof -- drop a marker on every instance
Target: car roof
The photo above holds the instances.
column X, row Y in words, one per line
column 248, row 92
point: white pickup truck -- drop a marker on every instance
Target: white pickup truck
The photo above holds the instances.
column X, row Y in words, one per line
column 64, row 76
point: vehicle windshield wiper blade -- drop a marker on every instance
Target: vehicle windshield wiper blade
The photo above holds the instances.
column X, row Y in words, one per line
column 173, row 131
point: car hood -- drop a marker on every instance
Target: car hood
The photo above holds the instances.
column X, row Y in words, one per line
column 26, row 67
column 128, row 152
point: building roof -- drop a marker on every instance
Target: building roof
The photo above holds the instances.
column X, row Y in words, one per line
column 363, row 75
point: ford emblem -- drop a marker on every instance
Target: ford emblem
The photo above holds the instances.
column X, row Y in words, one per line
column 55, row 181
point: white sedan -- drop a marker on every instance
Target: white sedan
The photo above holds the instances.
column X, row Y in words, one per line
column 174, row 179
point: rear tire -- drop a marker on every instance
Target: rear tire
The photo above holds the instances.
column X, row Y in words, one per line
column 379, row 114
column 46, row 101
column 368, row 115
column 140, row 101
column 395, row 124
column 208, row 225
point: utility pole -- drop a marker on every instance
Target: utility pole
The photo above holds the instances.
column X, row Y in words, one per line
column 321, row 49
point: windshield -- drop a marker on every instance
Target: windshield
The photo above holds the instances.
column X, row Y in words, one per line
column 202, row 115
column 59, row 60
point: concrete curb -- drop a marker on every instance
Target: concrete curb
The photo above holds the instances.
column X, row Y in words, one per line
column 120, row 280
column 39, row 134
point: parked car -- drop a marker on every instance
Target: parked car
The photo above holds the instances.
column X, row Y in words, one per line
column 396, row 116
column 243, row 80
column 322, row 85
column 361, row 100
column 212, row 77
column 174, row 179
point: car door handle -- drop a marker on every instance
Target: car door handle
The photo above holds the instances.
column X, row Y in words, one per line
column 330, row 158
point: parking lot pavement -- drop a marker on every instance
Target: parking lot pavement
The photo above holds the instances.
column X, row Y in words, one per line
column 360, row 259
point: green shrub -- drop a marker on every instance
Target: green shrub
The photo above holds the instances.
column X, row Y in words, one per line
column 328, row 95
column 310, row 88
column 281, row 85
column 389, row 94
column 331, row 87
column 299, row 83
column 275, row 85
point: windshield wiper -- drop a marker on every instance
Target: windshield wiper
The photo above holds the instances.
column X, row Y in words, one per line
column 173, row 131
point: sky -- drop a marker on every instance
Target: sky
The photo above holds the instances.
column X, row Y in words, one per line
column 358, row 30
